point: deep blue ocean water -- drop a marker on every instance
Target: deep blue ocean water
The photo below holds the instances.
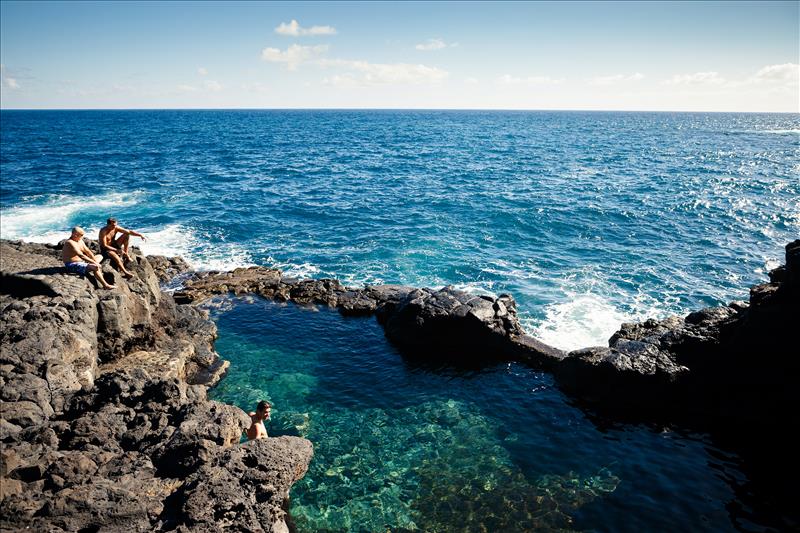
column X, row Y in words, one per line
column 588, row 219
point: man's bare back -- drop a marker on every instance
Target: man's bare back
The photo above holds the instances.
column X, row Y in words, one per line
column 71, row 252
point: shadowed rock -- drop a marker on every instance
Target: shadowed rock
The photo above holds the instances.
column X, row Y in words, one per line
column 100, row 425
column 730, row 361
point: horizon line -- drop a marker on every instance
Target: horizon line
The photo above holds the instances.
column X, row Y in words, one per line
column 382, row 109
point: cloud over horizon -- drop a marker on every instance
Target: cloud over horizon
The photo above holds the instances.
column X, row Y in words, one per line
column 434, row 44
column 293, row 29
column 294, row 55
column 364, row 73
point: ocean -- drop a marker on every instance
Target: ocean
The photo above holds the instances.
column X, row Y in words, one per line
column 589, row 219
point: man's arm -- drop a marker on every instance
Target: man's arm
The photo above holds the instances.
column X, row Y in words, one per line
column 129, row 232
column 86, row 253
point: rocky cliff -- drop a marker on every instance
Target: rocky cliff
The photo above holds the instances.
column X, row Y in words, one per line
column 104, row 420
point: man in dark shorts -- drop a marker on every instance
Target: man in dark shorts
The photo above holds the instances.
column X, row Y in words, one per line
column 116, row 248
column 79, row 259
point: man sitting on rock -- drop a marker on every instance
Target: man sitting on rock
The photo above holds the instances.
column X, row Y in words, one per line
column 79, row 259
column 257, row 429
column 116, row 249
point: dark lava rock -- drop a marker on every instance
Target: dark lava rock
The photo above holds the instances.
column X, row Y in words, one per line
column 167, row 268
column 100, row 427
column 727, row 362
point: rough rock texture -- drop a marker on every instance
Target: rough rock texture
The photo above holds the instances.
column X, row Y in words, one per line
column 444, row 323
column 104, row 420
column 166, row 268
column 736, row 360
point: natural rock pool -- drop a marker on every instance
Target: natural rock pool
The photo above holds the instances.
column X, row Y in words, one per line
column 401, row 444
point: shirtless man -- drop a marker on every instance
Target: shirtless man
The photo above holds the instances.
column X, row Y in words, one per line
column 116, row 249
column 79, row 259
column 257, row 429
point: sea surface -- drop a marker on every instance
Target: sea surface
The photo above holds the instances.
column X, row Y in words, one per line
column 588, row 218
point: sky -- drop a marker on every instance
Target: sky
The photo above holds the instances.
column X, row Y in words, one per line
column 660, row 56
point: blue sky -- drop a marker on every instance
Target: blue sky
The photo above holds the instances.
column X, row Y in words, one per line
column 712, row 56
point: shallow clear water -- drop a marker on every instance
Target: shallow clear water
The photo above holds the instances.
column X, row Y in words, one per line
column 587, row 218
column 404, row 444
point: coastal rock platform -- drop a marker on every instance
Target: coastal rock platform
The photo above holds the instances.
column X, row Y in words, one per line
column 104, row 420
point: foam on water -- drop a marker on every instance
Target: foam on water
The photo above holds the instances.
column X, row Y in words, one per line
column 583, row 320
column 50, row 221
column 201, row 253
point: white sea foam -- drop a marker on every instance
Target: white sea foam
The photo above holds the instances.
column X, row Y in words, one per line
column 478, row 288
column 585, row 320
column 591, row 312
column 201, row 253
column 293, row 270
column 776, row 131
column 50, row 221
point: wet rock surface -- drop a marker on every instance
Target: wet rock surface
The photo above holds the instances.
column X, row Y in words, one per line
column 104, row 420
column 735, row 361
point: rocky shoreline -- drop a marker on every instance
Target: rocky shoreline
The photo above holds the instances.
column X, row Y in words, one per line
column 725, row 362
column 106, row 425
column 104, row 422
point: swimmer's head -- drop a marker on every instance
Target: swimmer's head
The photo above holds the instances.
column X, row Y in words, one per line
column 263, row 407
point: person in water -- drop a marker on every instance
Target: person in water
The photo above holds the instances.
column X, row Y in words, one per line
column 116, row 248
column 79, row 259
column 257, row 429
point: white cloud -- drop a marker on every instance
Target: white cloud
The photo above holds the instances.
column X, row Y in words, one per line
column 617, row 78
column 433, row 44
column 785, row 73
column 471, row 81
column 203, row 71
column 382, row 73
column 698, row 78
column 294, row 29
column 8, row 82
column 208, row 85
column 293, row 55
column 508, row 79
column 213, row 86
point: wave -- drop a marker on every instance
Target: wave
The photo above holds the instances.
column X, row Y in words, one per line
column 588, row 316
column 199, row 252
column 50, row 222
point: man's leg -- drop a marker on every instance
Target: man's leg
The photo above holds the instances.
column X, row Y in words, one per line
column 98, row 275
column 115, row 258
column 122, row 243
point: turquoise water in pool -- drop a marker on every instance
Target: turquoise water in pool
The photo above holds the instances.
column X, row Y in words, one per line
column 402, row 444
